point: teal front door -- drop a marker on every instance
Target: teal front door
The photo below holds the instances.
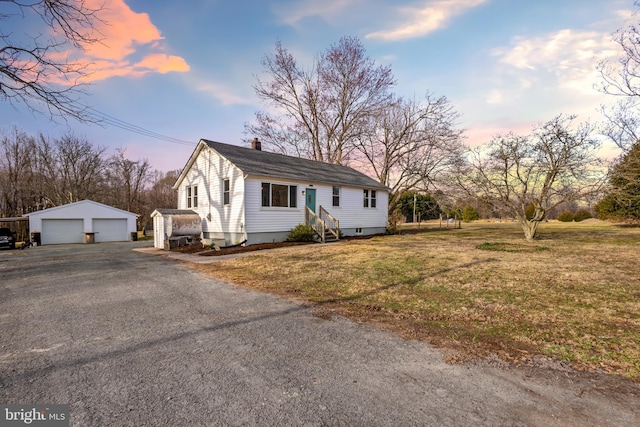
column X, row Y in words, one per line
column 310, row 199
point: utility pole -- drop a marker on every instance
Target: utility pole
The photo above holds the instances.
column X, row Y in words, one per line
column 415, row 196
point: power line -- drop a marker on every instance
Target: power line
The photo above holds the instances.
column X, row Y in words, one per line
column 101, row 117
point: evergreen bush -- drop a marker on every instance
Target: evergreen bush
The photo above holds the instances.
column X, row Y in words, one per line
column 581, row 215
column 469, row 213
column 301, row 233
column 565, row 216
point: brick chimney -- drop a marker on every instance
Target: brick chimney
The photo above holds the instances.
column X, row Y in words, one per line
column 255, row 144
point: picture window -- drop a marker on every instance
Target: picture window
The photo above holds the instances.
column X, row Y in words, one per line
column 278, row 195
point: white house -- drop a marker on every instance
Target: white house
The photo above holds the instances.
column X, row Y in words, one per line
column 246, row 194
column 85, row 221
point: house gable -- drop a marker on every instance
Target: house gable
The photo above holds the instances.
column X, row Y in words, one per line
column 205, row 174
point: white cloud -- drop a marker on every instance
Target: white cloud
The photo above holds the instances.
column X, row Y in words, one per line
column 421, row 20
column 532, row 79
column 293, row 14
column 570, row 56
column 221, row 93
column 494, row 96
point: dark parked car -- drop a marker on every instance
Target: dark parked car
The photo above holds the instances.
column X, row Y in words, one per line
column 7, row 238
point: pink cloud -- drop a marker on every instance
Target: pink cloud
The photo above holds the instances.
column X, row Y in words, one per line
column 163, row 63
column 479, row 135
column 121, row 30
column 124, row 33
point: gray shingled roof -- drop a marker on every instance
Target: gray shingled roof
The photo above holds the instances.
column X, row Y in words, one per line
column 264, row 163
column 175, row 211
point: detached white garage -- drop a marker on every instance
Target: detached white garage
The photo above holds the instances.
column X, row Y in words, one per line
column 82, row 222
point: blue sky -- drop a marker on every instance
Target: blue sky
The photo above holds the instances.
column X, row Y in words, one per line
column 186, row 69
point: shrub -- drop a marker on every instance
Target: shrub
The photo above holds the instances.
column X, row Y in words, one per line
column 469, row 213
column 565, row 216
column 425, row 205
column 392, row 222
column 530, row 211
column 581, row 215
column 301, row 233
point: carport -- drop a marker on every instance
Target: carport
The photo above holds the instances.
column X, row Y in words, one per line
column 82, row 222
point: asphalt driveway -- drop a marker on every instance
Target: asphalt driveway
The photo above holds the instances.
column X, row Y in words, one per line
column 127, row 338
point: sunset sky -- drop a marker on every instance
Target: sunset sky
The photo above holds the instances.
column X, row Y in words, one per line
column 186, row 69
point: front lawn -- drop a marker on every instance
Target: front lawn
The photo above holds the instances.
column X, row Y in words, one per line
column 574, row 294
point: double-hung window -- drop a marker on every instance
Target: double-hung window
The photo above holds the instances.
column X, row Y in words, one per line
column 369, row 198
column 336, row 195
column 226, row 192
column 278, row 195
column 192, row 196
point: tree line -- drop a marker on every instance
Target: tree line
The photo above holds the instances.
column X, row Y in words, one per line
column 38, row 172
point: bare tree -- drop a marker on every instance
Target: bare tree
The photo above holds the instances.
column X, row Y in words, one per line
column 126, row 181
column 38, row 173
column 622, row 124
column 36, row 70
column 553, row 164
column 73, row 168
column 412, row 145
column 158, row 194
column 16, row 173
column 621, row 75
column 321, row 111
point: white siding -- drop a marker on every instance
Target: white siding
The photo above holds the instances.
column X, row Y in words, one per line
column 351, row 213
column 272, row 219
column 208, row 172
column 158, row 231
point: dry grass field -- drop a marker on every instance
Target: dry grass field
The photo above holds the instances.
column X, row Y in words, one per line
column 573, row 295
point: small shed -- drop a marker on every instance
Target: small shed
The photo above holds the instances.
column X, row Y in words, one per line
column 85, row 221
column 173, row 224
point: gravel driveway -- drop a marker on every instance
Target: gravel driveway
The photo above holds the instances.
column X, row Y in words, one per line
column 127, row 338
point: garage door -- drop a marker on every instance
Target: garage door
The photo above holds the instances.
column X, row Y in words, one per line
column 56, row 231
column 110, row 230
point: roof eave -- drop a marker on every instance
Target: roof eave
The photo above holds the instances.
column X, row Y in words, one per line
column 190, row 162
